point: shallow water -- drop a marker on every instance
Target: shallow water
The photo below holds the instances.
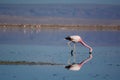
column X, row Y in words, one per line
column 50, row 46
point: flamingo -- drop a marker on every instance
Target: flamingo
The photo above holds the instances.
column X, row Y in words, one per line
column 76, row 39
column 76, row 67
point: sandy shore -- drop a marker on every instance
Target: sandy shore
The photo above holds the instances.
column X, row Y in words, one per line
column 55, row 26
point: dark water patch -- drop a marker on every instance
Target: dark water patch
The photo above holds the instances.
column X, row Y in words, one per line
column 12, row 52
column 106, row 76
column 54, row 75
column 96, row 75
column 117, row 65
column 101, row 76
column 110, row 64
column 64, row 78
column 27, row 63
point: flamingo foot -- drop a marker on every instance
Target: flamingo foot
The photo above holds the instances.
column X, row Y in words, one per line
column 71, row 52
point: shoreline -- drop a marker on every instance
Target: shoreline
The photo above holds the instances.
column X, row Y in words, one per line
column 61, row 26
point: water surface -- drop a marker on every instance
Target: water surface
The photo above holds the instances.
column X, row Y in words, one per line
column 49, row 46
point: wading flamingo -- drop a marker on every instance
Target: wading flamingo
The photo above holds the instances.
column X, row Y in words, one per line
column 76, row 67
column 76, row 39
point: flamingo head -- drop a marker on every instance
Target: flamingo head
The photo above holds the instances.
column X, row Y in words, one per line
column 68, row 38
column 73, row 67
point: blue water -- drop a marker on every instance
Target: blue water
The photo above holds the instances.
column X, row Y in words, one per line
column 48, row 45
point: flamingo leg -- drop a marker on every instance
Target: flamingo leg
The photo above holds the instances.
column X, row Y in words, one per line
column 72, row 48
column 69, row 45
column 74, row 52
column 69, row 57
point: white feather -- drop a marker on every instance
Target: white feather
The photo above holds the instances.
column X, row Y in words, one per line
column 75, row 67
column 75, row 38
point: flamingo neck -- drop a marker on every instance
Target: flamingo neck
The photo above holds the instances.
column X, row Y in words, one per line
column 84, row 44
column 85, row 61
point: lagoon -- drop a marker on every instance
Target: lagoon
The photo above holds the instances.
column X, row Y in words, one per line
column 48, row 45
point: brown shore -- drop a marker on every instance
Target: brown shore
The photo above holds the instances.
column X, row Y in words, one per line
column 61, row 26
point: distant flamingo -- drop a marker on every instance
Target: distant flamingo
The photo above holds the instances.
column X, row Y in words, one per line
column 76, row 39
column 76, row 67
